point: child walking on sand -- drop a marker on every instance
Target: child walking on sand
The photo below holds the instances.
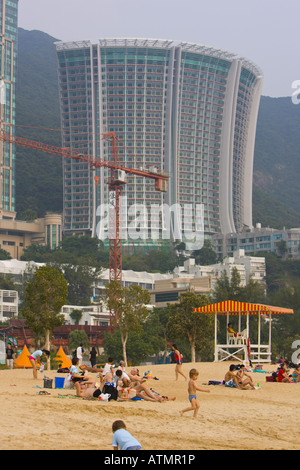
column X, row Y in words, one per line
column 192, row 388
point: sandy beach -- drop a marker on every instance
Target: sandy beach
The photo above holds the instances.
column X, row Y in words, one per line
column 228, row 419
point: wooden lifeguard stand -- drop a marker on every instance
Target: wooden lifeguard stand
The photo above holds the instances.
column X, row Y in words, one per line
column 239, row 347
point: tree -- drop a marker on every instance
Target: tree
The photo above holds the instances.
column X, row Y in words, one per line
column 128, row 306
column 76, row 315
column 4, row 254
column 45, row 295
column 151, row 340
column 206, row 255
column 80, row 278
column 7, row 282
column 156, row 328
column 184, row 322
column 77, row 337
column 227, row 288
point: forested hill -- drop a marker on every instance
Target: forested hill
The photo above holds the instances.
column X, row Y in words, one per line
column 276, row 191
column 38, row 175
column 276, row 199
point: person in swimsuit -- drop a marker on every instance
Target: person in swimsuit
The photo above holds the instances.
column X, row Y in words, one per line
column 36, row 358
column 296, row 374
column 178, row 359
column 192, row 388
column 87, row 389
column 244, row 378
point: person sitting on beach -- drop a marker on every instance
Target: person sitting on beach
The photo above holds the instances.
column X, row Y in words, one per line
column 123, row 389
column 75, row 375
column 296, row 374
column 109, row 368
column 231, row 379
column 243, row 382
column 62, row 370
column 231, row 330
column 283, row 374
column 87, row 389
column 121, row 374
column 121, row 366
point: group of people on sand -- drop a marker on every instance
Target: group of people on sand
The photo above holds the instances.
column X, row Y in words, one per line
column 284, row 374
column 123, row 382
column 238, row 378
column 116, row 378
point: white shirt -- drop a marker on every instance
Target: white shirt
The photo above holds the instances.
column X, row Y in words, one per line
column 107, row 368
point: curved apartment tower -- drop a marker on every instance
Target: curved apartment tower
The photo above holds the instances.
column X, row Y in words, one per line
column 188, row 109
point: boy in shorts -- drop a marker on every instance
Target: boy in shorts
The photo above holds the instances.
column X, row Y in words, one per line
column 192, row 388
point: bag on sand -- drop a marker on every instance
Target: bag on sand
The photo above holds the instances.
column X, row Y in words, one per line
column 111, row 390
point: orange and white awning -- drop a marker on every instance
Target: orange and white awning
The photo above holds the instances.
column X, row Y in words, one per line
column 232, row 307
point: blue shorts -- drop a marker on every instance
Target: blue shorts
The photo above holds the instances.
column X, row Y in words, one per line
column 230, row 383
column 192, row 396
column 134, row 448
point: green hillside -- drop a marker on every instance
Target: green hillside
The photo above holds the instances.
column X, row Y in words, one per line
column 277, row 163
column 276, row 192
column 38, row 175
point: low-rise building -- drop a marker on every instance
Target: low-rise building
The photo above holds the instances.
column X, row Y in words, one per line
column 202, row 279
column 9, row 303
column 259, row 240
column 16, row 235
column 93, row 315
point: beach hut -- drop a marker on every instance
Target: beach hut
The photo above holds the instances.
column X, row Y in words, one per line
column 22, row 361
column 62, row 358
column 239, row 347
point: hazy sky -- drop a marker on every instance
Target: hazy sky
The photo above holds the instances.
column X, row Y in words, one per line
column 265, row 31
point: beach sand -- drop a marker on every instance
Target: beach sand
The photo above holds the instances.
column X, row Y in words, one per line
column 228, row 418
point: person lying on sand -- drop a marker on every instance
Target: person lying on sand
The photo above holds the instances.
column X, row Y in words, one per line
column 87, row 389
column 84, row 367
column 142, row 390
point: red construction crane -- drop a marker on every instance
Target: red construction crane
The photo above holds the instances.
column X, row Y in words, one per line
column 115, row 183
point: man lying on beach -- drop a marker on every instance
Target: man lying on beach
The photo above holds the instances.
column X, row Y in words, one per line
column 142, row 390
column 87, row 389
column 84, row 367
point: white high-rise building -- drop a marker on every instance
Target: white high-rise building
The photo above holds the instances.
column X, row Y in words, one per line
column 188, row 109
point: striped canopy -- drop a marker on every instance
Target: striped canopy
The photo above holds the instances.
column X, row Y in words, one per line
column 241, row 308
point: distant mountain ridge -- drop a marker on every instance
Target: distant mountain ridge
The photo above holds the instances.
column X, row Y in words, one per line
column 276, row 189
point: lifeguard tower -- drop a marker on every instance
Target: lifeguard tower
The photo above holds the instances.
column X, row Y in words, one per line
column 239, row 346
